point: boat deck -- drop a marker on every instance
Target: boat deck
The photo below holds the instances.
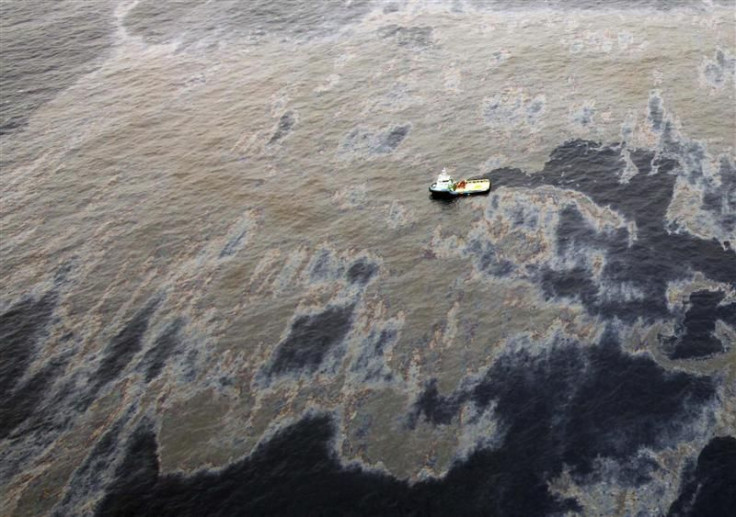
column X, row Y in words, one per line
column 472, row 186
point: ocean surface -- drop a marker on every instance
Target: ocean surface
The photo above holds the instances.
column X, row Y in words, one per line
column 226, row 291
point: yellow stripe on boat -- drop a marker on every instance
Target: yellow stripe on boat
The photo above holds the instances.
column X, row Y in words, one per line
column 473, row 186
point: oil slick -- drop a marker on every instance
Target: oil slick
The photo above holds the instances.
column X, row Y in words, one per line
column 225, row 290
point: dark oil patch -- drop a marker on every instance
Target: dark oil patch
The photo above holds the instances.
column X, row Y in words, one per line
column 391, row 7
column 90, row 477
column 233, row 244
column 585, row 117
column 369, row 363
column 368, row 142
column 656, row 258
column 20, row 328
column 696, row 337
column 412, row 37
column 435, row 408
column 284, row 127
column 311, row 339
column 138, row 472
column 595, row 170
column 361, row 272
column 576, row 283
column 391, row 140
column 320, row 268
column 297, row 473
column 710, row 488
column 486, row 258
column 166, row 344
column 626, row 403
column 572, row 405
column 123, row 347
column 656, row 112
column 574, row 232
column 25, row 401
column 720, row 200
column 718, row 71
column 189, row 366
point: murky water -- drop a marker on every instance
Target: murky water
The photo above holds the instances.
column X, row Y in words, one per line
column 226, row 289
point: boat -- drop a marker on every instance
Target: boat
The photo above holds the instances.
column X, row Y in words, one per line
column 446, row 186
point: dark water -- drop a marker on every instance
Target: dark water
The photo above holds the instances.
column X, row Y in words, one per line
column 226, row 290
